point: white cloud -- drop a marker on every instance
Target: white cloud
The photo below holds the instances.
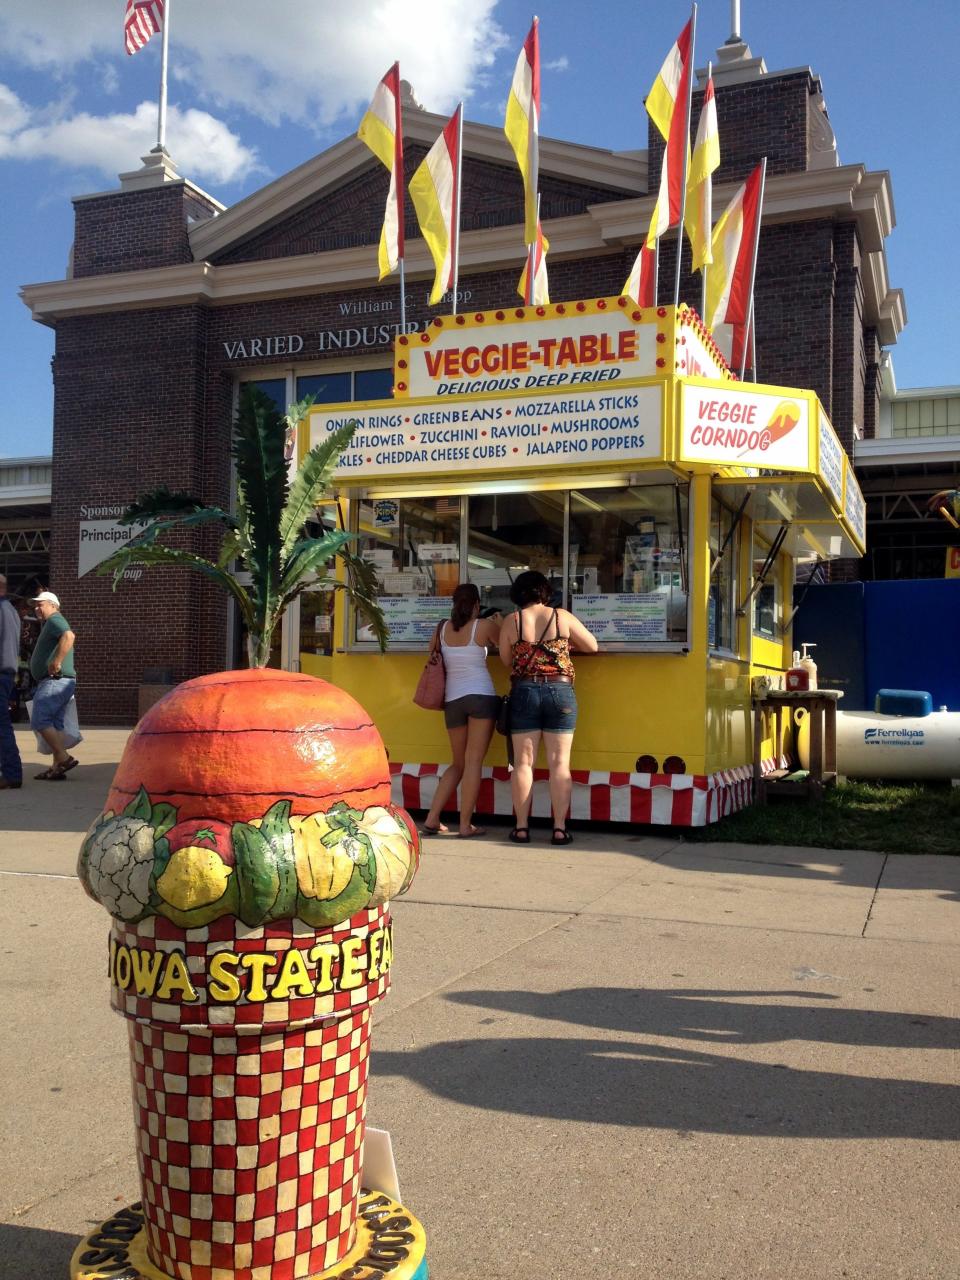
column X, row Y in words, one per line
column 558, row 64
column 307, row 62
column 200, row 144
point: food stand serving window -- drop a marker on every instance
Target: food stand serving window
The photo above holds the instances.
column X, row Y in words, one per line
column 627, row 562
column 414, row 546
column 724, row 558
column 512, row 532
column 766, row 600
column 615, row 555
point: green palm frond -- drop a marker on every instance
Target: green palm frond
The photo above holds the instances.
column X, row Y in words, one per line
column 310, row 484
column 158, row 504
column 363, row 587
column 262, row 488
column 158, row 553
column 309, row 555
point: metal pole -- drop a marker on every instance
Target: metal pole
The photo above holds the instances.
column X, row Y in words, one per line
column 164, row 48
column 735, row 20
column 401, row 188
column 403, row 300
column 456, row 207
column 686, row 148
column 709, row 229
column 533, row 163
column 656, row 269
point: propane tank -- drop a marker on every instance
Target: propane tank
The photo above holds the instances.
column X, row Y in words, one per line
column 808, row 663
column 871, row 745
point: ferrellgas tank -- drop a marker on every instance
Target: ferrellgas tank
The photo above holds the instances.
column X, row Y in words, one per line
column 870, row 745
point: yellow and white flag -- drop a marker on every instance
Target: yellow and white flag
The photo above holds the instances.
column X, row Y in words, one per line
column 522, row 126
column 698, row 213
column 435, row 192
column 382, row 131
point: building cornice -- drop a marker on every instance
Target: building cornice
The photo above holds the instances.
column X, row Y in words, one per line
column 847, row 192
column 907, row 450
column 347, row 159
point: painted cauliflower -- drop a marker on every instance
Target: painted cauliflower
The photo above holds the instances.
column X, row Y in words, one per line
column 116, row 864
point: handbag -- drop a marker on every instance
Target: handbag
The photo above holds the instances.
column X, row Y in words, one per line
column 432, row 686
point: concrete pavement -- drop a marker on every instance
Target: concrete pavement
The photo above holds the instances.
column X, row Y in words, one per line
column 629, row 1057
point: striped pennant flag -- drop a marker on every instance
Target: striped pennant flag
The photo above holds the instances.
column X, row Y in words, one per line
column 435, row 192
column 734, row 248
column 522, row 126
column 641, row 283
column 382, row 130
column 667, row 107
column 142, row 19
column 698, row 215
column 541, row 288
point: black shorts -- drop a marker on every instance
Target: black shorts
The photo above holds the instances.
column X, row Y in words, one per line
column 475, row 706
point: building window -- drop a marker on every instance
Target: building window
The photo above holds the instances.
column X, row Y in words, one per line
column 936, row 416
column 766, row 601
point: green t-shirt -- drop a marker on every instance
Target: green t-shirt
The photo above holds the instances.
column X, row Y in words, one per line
column 46, row 647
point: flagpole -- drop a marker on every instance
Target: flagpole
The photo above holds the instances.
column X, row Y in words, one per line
column 533, row 158
column 164, row 48
column 686, row 148
column 401, row 203
column 656, row 269
column 704, row 267
column 753, row 265
column 456, row 207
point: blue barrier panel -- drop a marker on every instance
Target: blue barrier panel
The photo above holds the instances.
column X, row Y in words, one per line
column 912, row 634
column 832, row 617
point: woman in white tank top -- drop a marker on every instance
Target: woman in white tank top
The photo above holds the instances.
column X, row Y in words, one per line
column 470, row 707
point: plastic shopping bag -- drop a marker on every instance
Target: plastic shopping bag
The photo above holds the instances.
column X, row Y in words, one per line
column 71, row 728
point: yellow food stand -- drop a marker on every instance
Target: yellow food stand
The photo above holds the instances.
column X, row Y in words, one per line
column 610, row 448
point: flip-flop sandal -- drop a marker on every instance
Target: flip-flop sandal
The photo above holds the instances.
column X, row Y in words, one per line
column 469, row 835
column 561, row 836
column 520, row 835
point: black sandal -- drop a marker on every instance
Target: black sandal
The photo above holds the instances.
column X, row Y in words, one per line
column 520, row 835
column 561, row 836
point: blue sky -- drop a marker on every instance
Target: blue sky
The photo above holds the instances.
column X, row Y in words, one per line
column 250, row 99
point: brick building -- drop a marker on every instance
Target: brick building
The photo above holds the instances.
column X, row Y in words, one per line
column 173, row 301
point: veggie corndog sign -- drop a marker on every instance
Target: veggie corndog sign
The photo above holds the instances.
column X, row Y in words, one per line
column 742, row 428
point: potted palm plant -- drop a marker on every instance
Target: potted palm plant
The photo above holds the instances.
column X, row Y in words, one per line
column 247, row 853
column 267, row 534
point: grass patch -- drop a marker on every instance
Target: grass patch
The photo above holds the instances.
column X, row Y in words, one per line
column 885, row 817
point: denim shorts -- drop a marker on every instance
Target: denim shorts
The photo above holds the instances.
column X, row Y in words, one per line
column 50, row 700
column 475, row 706
column 550, row 706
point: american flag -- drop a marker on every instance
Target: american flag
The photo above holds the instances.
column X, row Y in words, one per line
column 142, row 20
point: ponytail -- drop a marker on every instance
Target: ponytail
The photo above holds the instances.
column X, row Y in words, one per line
column 465, row 599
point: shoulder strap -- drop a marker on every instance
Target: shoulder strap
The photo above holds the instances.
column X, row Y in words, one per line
column 473, row 630
column 435, row 642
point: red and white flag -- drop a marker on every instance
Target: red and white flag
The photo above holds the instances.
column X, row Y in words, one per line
column 541, row 288
column 382, row 130
column 730, row 279
column 641, row 283
column 667, row 106
column 435, row 192
column 142, row 19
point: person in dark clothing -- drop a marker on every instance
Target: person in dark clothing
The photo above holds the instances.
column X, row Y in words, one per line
column 11, row 766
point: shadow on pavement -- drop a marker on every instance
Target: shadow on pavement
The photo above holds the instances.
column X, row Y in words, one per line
column 29, row 1251
column 636, row 1082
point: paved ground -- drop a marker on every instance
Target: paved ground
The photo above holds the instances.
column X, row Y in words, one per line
column 630, row 1057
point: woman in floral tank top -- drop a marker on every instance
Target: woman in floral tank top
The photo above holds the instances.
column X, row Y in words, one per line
column 535, row 643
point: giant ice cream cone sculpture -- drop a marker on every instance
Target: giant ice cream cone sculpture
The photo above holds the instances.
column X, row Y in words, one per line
column 248, row 853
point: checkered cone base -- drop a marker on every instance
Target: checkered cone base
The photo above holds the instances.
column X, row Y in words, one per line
column 249, row 1128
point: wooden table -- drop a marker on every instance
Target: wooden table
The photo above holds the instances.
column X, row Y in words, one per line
column 821, row 706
